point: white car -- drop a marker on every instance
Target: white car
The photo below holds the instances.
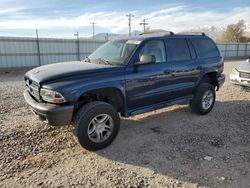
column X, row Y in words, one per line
column 241, row 74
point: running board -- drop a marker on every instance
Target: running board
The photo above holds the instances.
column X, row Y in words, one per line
column 161, row 105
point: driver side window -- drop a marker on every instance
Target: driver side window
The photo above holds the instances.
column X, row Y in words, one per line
column 155, row 48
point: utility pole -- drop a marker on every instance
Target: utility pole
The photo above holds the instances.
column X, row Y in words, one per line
column 144, row 23
column 93, row 29
column 129, row 22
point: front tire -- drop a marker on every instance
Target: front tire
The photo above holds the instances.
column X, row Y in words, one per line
column 204, row 99
column 96, row 125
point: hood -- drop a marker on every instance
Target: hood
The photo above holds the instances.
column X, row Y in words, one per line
column 244, row 67
column 63, row 70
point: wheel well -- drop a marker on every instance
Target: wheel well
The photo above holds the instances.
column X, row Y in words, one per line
column 210, row 78
column 109, row 95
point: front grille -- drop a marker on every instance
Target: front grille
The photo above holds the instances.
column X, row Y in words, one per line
column 245, row 75
column 33, row 88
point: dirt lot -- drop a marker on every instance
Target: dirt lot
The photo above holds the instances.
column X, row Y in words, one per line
column 167, row 148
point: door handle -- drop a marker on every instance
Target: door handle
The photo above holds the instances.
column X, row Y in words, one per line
column 167, row 72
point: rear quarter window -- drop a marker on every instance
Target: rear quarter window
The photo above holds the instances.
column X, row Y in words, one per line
column 205, row 48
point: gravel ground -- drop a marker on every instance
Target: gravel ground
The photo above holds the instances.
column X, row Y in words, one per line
column 170, row 147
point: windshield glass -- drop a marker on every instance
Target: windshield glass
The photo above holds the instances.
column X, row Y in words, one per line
column 114, row 52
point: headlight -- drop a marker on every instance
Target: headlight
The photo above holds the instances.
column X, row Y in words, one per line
column 235, row 71
column 51, row 96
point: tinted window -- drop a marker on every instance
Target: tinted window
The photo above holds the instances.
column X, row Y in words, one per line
column 155, row 48
column 178, row 50
column 205, row 48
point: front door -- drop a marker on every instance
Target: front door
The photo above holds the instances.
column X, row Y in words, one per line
column 148, row 84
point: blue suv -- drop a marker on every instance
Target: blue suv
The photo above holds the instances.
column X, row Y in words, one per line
column 126, row 77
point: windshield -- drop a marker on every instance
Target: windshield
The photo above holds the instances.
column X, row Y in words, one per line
column 114, row 52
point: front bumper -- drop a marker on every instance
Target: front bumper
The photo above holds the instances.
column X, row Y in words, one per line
column 221, row 80
column 50, row 113
column 236, row 79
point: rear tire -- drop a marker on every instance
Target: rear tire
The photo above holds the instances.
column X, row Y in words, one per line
column 96, row 125
column 204, row 99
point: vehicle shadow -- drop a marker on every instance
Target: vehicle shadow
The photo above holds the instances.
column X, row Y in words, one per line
column 179, row 144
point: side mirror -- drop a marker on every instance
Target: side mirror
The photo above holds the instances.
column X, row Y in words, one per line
column 248, row 60
column 146, row 59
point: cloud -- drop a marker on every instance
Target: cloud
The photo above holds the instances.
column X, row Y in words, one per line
column 10, row 10
column 183, row 18
column 176, row 18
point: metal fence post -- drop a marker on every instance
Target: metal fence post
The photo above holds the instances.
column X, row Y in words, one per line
column 237, row 55
column 225, row 50
column 246, row 49
column 78, row 49
column 38, row 49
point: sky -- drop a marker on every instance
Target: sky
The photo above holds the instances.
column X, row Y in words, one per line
column 62, row 18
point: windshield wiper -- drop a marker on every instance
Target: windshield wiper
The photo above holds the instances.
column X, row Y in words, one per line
column 104, row 61
column 87, row 60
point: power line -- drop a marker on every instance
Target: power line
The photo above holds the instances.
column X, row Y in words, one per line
column 129, row 22
column 144, row 23
column 93, row 29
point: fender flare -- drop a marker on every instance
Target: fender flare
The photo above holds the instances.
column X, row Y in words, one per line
column 81, row 91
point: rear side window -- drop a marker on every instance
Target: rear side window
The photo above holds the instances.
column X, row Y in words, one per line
column 205, row 48
column 178, row 50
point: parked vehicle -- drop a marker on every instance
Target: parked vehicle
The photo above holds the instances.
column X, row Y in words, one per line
column 241, row 74
column 126, row 76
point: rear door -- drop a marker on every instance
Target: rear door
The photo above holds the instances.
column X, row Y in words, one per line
column 185, row 68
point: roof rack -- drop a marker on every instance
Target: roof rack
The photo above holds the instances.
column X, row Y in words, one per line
column 157, row 31
column 193, row 33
